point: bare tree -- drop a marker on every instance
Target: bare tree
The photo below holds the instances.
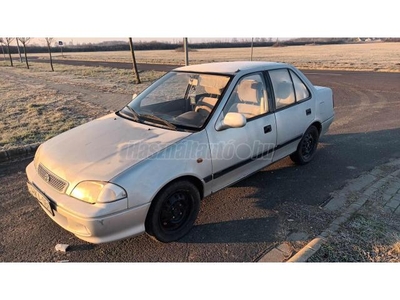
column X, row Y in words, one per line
column 24, row 41
column 8, row 42
column 135, row 70
column 49, row 41
column 19, row 52
column 2, row 47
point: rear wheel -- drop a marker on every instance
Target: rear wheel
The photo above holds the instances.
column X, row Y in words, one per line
column 307, row 147
column 173, row 211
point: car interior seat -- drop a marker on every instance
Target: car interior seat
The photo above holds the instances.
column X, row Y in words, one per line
column 205, row 105
column 284, row 94
column 251, row 101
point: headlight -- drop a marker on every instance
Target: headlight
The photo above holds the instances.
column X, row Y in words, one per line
column 98, row 192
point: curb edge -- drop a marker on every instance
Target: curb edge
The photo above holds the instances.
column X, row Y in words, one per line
column 312, row 247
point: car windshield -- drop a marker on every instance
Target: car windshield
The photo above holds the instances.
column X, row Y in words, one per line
column 178, row 100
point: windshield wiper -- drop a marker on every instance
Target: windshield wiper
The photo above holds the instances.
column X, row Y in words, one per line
column 159, row 120
column 135, row 115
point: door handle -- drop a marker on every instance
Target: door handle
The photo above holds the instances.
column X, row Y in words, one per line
column 308, row 111
column 267, row 128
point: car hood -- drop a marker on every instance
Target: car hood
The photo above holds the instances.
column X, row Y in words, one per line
column 101, row 149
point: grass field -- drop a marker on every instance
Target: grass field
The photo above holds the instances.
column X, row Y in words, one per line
column 37, row 104
column 382, row 57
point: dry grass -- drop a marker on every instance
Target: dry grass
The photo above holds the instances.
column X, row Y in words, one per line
column 371, row 235
column 365, row 238
column 33, row 113
column 103, row 79
column 360, row 57
column 37, row 104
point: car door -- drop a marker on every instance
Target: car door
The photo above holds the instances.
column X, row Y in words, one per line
column 238, row 152
column 294, row 110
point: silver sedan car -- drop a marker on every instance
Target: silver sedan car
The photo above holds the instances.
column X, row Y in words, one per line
column 196, row 130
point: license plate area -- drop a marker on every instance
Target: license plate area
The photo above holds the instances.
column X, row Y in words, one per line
column 43, row 200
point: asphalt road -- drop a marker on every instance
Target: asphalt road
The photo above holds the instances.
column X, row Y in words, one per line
column 242, row 222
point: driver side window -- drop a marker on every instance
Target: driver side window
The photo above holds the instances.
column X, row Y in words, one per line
column 249, row 97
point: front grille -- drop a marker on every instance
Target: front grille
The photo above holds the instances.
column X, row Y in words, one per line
column 53, row 180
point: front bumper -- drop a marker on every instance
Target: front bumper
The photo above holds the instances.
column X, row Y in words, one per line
column 94, row 223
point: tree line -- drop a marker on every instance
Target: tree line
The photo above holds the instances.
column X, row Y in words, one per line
column 6, row 43
column 158, row 45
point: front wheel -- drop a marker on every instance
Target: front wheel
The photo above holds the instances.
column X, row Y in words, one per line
column 307, row 147
column 173, row 211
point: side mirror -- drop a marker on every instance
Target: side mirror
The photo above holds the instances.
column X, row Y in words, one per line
column 134, row 96
column 232, row 120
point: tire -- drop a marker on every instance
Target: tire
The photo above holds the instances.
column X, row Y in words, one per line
column 307, row 147
column 173, row 211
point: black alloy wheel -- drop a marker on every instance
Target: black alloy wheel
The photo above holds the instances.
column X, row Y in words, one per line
column 307, row 147
column 173, row 211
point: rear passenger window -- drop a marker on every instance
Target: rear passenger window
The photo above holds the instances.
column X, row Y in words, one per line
column 302, row 92
column 283, row 88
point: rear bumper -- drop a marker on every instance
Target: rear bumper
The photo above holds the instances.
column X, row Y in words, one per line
column 326, row 124
column 92, row 223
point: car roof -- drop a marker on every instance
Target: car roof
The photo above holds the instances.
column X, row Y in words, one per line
column 232, row 67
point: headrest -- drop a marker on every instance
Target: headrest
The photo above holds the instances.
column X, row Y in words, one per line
column 284, row 89
column 247, row 90
column 213, row 84
column 212, row 90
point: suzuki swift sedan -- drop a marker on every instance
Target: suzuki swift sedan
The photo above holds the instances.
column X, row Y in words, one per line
column 195, row 131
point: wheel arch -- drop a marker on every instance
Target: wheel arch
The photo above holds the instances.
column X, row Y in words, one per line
column 318, row 125
column 193, row 179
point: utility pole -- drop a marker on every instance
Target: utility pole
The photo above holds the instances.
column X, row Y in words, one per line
column 135, row 70
column 185, row 49
column 61, row 43
column 251, row 55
